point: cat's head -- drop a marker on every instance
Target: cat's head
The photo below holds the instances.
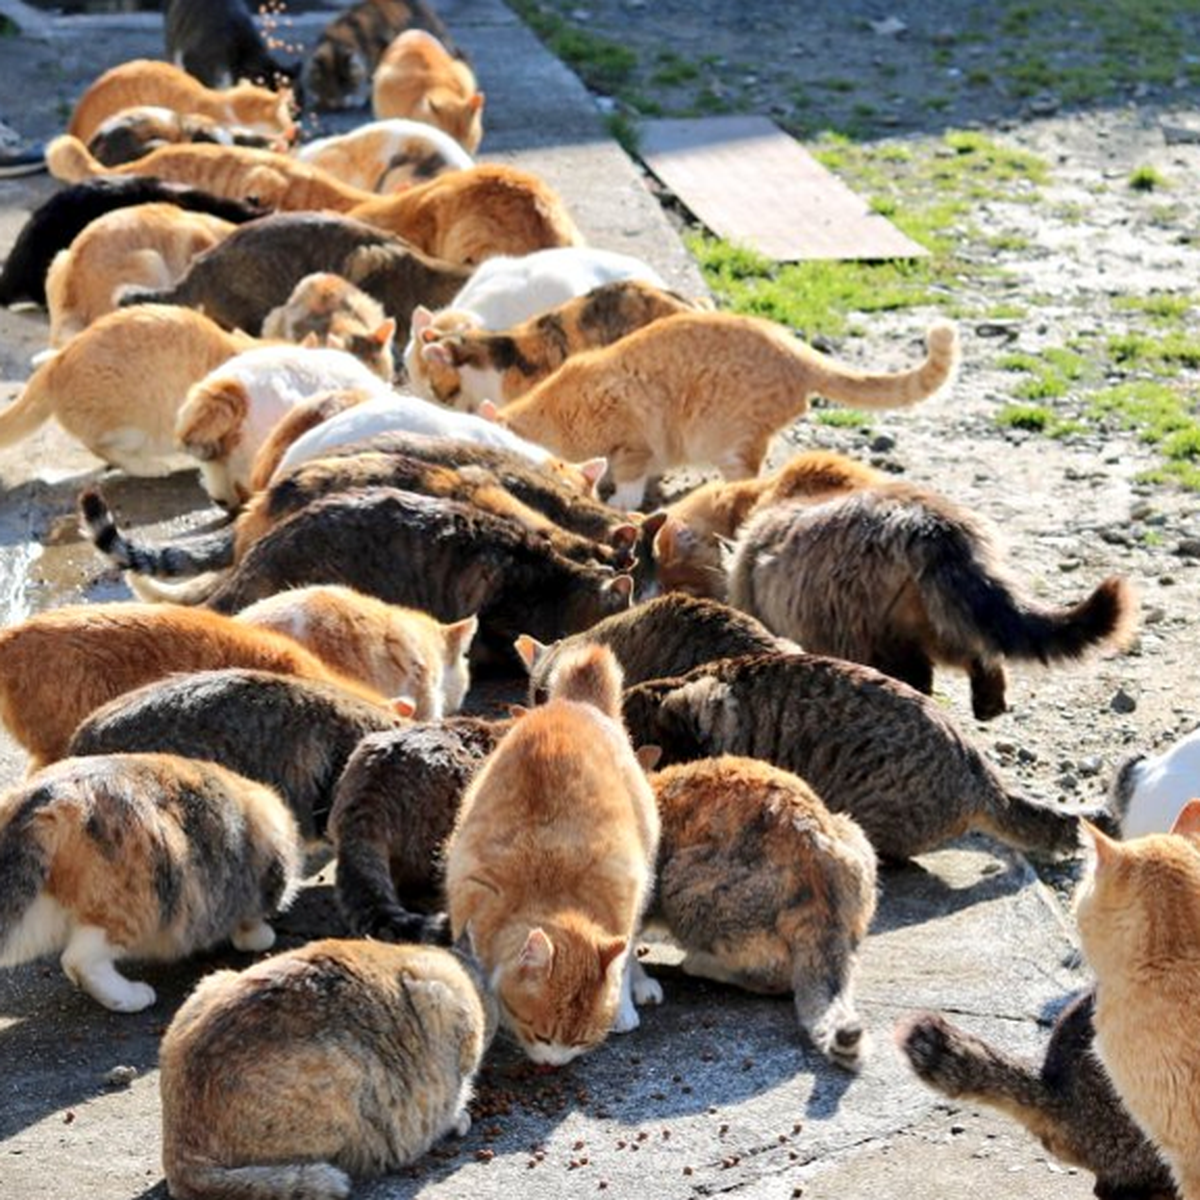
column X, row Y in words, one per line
column 687, row 557
column 262, row 110
column 588, row 674
column 456, row 671
column 432, row 362
column 461, row 118
column 334, row 76
column 372, row 347
column 595, row 593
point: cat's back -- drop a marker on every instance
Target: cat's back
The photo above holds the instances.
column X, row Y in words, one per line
column 132, row 84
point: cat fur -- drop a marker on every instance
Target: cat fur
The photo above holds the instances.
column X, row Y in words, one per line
column 1148, row 791
column 218, row 43
column 134, row 132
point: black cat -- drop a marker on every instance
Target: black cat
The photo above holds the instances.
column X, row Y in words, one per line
column 218, row 42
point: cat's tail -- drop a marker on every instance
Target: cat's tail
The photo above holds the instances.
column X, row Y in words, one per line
column 862, row 389
column 28, row 928
column 68, row 159
column 33, row 407
column 1019, row 822
column 188, row 1179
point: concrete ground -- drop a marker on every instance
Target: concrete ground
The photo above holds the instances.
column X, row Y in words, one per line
column 715, row 1093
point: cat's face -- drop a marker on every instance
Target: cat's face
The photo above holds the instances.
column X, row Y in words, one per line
column 334, row 77
column 431, row 369
column 462, row 120
column 372, row 348
column 687, row 557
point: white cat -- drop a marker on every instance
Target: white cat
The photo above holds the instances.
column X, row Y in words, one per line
column 1149, row 792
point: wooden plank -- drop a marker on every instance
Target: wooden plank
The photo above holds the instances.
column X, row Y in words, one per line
column 751, row 183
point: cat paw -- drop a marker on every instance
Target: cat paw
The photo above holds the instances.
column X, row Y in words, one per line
column 626, row 1020
column 462, row 1123
column 132, row 998
column 253, row 936
column 646, row 989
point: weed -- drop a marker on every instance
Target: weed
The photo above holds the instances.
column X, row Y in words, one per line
column 1147, row 179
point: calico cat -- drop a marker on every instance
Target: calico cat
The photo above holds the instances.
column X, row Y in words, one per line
column 118, row 385
column 1149, row 790
column 148, row 245
column 687, row 545
column 340, row 1059
column 418, row 78
column 102, row 650
column 1067, row 1103
column 255, row 270
column 140, row 856
column 338, row 73
column 60, row 219
column 146, row 81
column 766, row 889
column 290, row 733
column 387, row 156
column 218, row 43
column 703, row 387
column 507, row 290
column 660, row 639
column 928, row 586
column 466, row 366
column 457, row 561
column 135, row 132
column 551, row 863
column 868, row 745
column 338, row 315
column 1138, row 912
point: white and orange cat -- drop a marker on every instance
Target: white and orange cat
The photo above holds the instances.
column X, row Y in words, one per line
column 551, row 864
column 703, row 387
column 417, row 77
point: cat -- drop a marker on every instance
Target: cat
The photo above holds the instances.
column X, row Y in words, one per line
column 1138, row 911
column 457, row 561
column 418, row 78
column 550, row 866
column 343, row 1058
column 687, row 545
column 928, row 586
column 60, row 219
column 294, row 424
column 291, row 733
column 255, row 270
column 338, row 315
column 466, row 366
column 766, row 889
column 118, row 385
column 702, row 387
column 398, row 651
column 145, row 81
column 507, row 290
column 140, row 856
column 102, row 650
column 338, row 73
column 1149, row 790
column 867, row 744
column 660, row 639
column 1067, row 1103
column 218, row 43
column 134, row 132
column 149, row 244
column 387, row 156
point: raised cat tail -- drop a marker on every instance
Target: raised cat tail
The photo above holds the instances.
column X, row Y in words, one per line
column 33, row 407
column 69, row 159
column 296, row 1181
column 589, row 675
column 28, row 929
column 901, row 389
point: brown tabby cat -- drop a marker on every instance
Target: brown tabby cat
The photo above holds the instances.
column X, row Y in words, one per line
column 687, row 546
column 552, row 914
column 149, row 245
column 1067, row 1103
column 147, row 81
column 468, row 364
column 140, row 856
column 338, row 74
column 928, row 586
column 417, row 77
column 868, row 745
column 339, row 1059
column 1139, row 923
column 134, row 132
column 290, row 733
column 766, row 889
column 102, row 650
column 702, row 387
column 118, row 385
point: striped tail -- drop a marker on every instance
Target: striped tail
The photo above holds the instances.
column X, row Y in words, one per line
column 1026, row 825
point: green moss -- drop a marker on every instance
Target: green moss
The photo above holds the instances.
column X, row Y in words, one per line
column 1036, row 418
column 1154, row 411
column 1160, row 306
column 1154, row 353
column 674, row 71
column 842, row 418
column 1147, row 179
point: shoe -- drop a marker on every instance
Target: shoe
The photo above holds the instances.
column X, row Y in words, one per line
column 17, row 156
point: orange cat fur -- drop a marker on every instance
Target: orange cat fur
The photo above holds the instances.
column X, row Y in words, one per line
column 118, row 385
column 146, row 81
column 703, row 387
column 61, row 665
column 687, row 546
column 551, row 864
column 399, row 651
column 1139, row 924
column 147, row 245
column 417, row 77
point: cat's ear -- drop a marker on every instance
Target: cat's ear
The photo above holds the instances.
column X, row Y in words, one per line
column 384, row 334
column 727, row 547
column 517, row 711
column 623, row 539
column 530, row 651
column 1188, row 821
column 488, row 410
column 620, row 586
column 593, row 471
column 403, row 706
column 311, row 341
column 648, row 756
column 609, row 952
column 460, row 635
column 475, row 104
column 537, row 955
column 422, row 319
column 1106, row 849
column 666, row 538
column 651, row 523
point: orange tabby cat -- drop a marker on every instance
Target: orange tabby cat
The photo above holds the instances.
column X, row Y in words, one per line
column 61, row 665
column 147, row 81
column 118, row 385
column 417, row 77
column 551, row 864
column 703, row 387
column 1139, row 924
column 147, row 245
column 687, row 545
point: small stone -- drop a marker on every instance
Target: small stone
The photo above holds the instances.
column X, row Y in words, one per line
column 957, row 1129
column 1069, row 564
column 1188, row 548
column 1025, row 755
column 1090, row 766
column 882, row 443
column 1044, row 105
column 1122, row 702
column 1068, row 783
column 889, row 27
column 120, row 1076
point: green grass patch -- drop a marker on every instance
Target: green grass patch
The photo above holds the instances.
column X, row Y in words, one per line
column 1159, row 306
column 674, row 71
column 1147, row 179
column 1156, row 412
column 1155, row 353
column 842, row 418
column 604, row 65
